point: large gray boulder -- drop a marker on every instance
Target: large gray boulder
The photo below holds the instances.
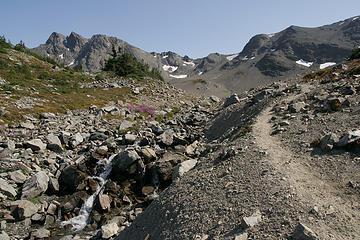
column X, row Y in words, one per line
column 109, row 230
column 6, row 188
column 22, row 209
column 35, row 185
column 184, row 167
column 36, row 145
column 54, row 143
column 167, row 138
column 128, row 162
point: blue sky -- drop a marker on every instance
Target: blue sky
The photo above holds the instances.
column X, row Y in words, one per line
column 187, row 27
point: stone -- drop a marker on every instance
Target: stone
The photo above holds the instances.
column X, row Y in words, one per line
column 130, row 138
column 183, row 168
column 233, row 99
column 243, row 236
column 35, row 185
column 190, row 149
column 248, row 222
column 335, row 104
column 7, row 189
column 17, row 176
column 38, row 217
column 302, row 232
column 49, row 220
column 125, row 159
column 47, row 115
column 109, row 230
column 36, row 145
column 76, row 140
column 65, row 137
column 27, row 125
column 4, row 236
column 54, row 143
column 98, row 136
column 69, row 179
column 53, row 184
column 23, row 209
column 147, row 190
column 328, row 141
column 349, row 137
column 102, row 150
column 148, row 154
column 104, row 202
column 51, row 209
column 215, row 99
column 296, row 107
column 126, row 125
column 3, row 225
column 10, row 144
column 167, row 137
column 41, row 233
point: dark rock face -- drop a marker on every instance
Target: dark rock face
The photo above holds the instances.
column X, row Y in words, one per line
column 70, row 178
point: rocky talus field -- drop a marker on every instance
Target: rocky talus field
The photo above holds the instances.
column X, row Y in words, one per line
column 95, row 156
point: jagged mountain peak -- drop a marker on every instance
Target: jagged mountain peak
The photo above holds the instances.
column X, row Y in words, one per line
column 56, row 38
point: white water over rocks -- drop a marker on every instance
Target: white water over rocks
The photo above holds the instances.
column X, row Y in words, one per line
column 79, row 222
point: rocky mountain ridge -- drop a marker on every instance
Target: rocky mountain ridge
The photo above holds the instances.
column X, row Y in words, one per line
column 265, row 58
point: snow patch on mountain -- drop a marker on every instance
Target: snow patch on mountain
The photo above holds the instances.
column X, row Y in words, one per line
column 271, row 35
column 169, row 68
column 355, row 18
column 327, row 64
column 61, row 56
column 189, row 63
column 245, row 58
column 72, row 63
column 166, row 56
column 304, row 63
column 178, row 76
column 200, row 73
column 231, row 57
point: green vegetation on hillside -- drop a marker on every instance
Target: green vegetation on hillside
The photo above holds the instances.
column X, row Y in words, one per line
column 27, row 78
column 355, row 54
column 126, row 65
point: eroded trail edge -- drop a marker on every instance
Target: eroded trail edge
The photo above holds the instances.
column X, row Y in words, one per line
column 308, row 186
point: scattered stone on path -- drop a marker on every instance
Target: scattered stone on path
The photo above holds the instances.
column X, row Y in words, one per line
column 248, row 222
column 302, row 232
column 109, row 230
column 6, row 188
column 184, row 167
column 35, row 185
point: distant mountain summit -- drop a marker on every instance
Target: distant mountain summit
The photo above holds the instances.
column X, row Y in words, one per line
column 265, row 58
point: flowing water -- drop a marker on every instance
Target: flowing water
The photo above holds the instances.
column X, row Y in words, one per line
column 79, row 222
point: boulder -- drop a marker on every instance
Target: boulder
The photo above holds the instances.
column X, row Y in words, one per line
column 104, row 202
column 130, row 138
column 69, row 179
column 124, row 160
column 328, row 141
column 54, row 143
column 17, row 176
column 76, row 140
column 36, row 145
column 6, row 188
column 148, row 154
column 349, row 137
column 184, row 167
column 22, row 209
column 302, row 232
column 233, row 99
column 248, row 222
column 35, row 185
column 126, row 125
column 167, row 137
column 4, row 236
column 242, row 236
column 296, row 107
column 109, row 230
column 40, row 233
column 215, row 99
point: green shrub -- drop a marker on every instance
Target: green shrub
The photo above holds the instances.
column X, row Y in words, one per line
column 3, row 64
column 355, row 54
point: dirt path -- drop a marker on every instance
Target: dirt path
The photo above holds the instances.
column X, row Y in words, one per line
column 342, row 218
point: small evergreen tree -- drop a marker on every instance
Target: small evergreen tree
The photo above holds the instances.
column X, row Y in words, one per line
column 126, row 65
